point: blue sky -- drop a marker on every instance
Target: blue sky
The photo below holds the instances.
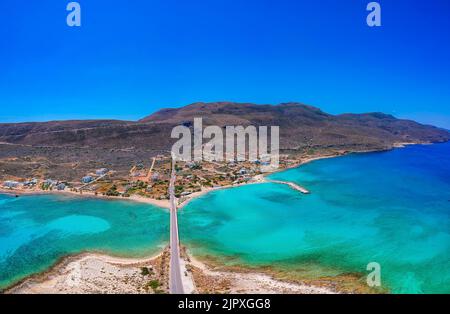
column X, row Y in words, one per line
column 131, row 58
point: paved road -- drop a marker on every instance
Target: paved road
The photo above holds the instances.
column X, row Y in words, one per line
column 149, row 175
column 175, row 283
column 93, row 181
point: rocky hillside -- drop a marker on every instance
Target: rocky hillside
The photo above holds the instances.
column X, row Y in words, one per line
column 73, row 147
column 305, row 126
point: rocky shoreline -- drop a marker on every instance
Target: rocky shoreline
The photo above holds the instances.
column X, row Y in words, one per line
column 96, row 273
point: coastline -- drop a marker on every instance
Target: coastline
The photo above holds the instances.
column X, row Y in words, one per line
column 212, row 279
column 93, row 272
column 258, row 179
column 86, row 273
column 276, row 277
column 133, row 198
column 60, row 268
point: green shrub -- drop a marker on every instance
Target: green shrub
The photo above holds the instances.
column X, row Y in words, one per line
column 154, row 284
column 145, row 271
column 112, row 191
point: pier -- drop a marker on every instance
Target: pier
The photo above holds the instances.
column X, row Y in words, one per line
column 291, row 185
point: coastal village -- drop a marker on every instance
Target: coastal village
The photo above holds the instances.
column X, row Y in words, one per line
column 151, row 181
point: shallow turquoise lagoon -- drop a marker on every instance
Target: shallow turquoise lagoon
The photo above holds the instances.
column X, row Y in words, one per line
column 35, row 231
column 389, row 207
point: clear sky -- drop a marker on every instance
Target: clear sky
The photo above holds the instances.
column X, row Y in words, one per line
column 131, row 58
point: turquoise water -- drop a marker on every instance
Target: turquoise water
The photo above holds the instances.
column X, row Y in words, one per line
column 390, row 207
column 35, row 231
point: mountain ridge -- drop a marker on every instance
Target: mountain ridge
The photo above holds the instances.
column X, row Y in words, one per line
column 87, row 144
column 293, row 118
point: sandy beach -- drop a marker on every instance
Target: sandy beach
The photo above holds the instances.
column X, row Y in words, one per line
column 94, row 273
column 134, row 198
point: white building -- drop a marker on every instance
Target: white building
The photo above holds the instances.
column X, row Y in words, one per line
column 155, row 177
column 50, row 182
column 11, row 184
column 87, row 179
column 101, row 172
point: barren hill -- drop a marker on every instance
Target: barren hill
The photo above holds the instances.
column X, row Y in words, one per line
column 69, row 148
